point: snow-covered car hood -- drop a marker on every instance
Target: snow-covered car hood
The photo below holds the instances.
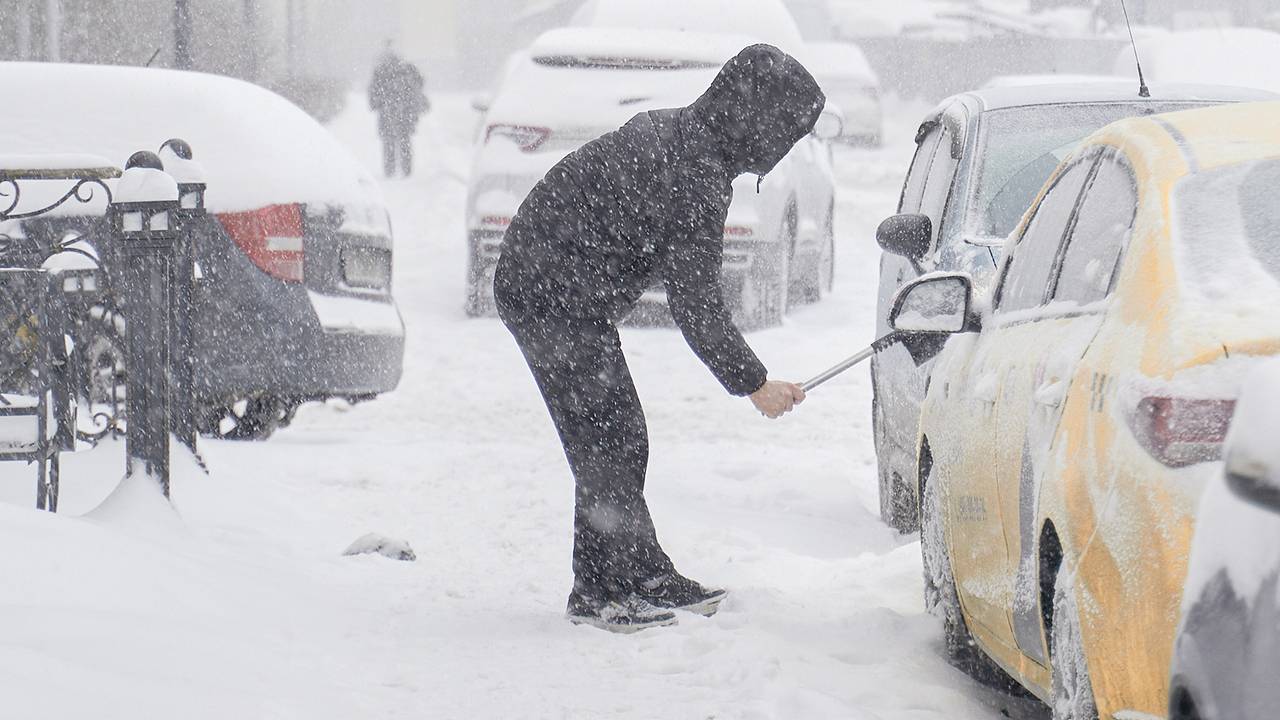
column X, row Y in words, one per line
column 256, row 147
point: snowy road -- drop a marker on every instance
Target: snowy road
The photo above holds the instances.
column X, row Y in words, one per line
column 245, row 608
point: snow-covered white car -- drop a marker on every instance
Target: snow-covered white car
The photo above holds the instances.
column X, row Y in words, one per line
column 851, row 85
column 294, row 298
column 1228, row 648
column 980, row 159
column 577, row 83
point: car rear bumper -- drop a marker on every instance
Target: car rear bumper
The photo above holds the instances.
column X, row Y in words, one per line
column 324, row 346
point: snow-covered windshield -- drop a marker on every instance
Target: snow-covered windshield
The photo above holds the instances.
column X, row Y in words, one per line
column 1020, row 147
column 1227, row 232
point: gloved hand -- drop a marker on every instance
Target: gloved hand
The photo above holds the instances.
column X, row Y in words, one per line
column 776, row 398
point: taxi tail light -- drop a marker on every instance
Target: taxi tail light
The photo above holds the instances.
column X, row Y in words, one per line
column 272, row 237
column 1182, row 431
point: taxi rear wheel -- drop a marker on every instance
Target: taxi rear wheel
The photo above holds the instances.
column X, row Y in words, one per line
column 1072, row 690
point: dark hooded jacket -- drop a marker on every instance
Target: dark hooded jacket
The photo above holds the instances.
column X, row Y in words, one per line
column 648, row 202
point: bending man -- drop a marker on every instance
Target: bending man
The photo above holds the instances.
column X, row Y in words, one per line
column 643, row 204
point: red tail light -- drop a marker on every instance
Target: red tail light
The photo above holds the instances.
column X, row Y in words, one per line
column 1182, row 431
column 738, row 231
column 272, row 237
column 526, row 137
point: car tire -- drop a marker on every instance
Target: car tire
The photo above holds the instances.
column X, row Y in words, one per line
column 827, row 264
column 899, row 506
column 255, row 418
column 942, row 601
column 819, row 282
column 1072, row 692
column 479, row 302
column 762, row 295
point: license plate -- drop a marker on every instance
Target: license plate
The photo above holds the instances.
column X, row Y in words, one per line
column 364, row 267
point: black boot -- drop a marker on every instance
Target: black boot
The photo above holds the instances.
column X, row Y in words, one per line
column 674, row 591
column 627, row 614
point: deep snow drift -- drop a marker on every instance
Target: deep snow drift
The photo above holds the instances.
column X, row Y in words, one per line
column 240, row 604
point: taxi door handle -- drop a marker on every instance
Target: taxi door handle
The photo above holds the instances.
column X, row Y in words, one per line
column 1051, row 394
column 988, row 388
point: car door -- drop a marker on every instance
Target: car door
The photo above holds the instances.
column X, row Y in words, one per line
column 900, row 381
column 976, row 516
column 1059, row 334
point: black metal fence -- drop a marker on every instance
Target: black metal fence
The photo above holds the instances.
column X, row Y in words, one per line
column 126, row 281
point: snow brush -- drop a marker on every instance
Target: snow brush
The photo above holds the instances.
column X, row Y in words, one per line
column 850, row 361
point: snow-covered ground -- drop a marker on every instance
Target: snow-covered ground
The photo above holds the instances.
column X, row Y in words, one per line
column 240, row 604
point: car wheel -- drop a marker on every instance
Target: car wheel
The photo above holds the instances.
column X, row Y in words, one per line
column 898, row 502
column 941, row 599
column 1072, row 691
column 479, row 301
column 762, row 297
column 254, row 418
column 799, row 282
column 827, row 266
column 1183, row 706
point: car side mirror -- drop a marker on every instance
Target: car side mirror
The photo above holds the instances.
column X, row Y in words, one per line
column 1252, row 456
column 907, row 235
column 936, row 304
column 830, row 124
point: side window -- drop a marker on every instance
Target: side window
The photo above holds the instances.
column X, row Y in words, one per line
column 938, row 187
column 1026, row 280
column 914, row 187
column 1100, row 235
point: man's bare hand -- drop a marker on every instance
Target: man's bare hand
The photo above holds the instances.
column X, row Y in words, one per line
column 776, row 398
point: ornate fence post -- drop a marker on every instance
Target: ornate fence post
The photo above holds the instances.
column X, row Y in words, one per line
column 144, row 225
column 189, row 174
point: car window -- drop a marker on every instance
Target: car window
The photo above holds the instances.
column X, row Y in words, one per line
column 1100, row 234
column 914, row 187
column 937, row 187
column 1027, row 277
column 1019, row 148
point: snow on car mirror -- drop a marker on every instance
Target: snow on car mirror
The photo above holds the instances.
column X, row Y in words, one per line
column 936, row 303
column 1252, row 455
column 830, row 124
column 908, row 235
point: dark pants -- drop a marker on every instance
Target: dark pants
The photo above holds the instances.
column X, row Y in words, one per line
column 397, row 146
column 583, row 376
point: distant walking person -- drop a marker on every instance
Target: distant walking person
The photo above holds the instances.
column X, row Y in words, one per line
column 641, row 205
column 397, row 93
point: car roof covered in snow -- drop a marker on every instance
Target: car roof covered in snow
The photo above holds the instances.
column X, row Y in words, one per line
column 611, row 45
column 256, row 147
column 764, row 20
column 836, row 60
column 999, row 98
column 1205, row 138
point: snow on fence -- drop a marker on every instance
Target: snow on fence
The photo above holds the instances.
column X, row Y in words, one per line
column 144, row 266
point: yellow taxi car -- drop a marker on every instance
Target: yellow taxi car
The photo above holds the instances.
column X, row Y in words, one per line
column 1078, row 410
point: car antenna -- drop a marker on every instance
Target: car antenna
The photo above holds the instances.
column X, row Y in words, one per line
column 153, row 57
column 1143, row 91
